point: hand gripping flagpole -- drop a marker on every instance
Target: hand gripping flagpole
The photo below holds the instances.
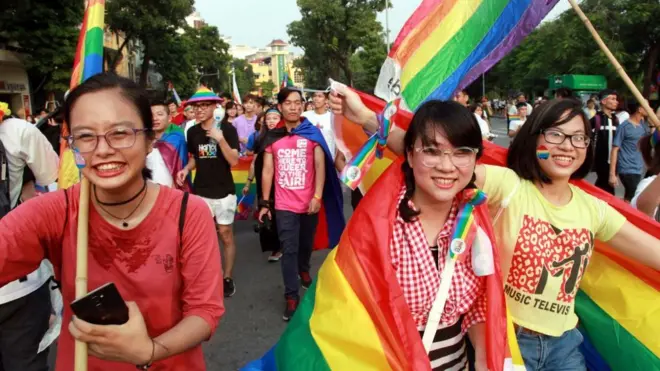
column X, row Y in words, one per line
column 619, row 69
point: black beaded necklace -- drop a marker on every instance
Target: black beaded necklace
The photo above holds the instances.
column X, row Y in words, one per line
column 124, row 219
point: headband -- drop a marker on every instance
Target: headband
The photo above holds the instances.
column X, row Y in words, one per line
column 273, row 110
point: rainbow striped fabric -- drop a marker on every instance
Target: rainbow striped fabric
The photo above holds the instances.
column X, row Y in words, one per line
column 447, row 44
column 240, row 174
column 619, row 300
column 203, row 94
column 354, row 316
column 87, row 63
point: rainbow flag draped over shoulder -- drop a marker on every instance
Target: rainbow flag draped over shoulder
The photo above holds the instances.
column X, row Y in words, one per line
column 447, row 44
column 619, row 300
column 354, row 316
column 87, row 63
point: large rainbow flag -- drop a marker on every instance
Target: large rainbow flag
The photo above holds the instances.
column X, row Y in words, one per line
column 619, row 300
column 87, row 63
column 240, row 174
column 354, row 316
column 447, row 44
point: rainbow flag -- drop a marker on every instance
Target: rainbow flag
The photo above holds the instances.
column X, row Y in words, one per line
column 240, row 175
column 286, row 81
column 619, row 300
column 447, row 44
column 235, row 93
column 354, row 317
column 87, row 63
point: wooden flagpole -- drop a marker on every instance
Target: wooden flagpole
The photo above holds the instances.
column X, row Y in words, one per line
column 619, row 69
column 81, row 264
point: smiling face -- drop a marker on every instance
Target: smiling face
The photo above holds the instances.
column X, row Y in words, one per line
column 439, row 183
column 564, row 159
column 232, row 112
column 109, row 168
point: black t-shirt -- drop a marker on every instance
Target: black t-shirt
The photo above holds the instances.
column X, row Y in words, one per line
column 213, row 178
column 601, row 136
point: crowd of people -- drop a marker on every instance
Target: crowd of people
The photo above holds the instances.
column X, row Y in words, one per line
column 163, row 204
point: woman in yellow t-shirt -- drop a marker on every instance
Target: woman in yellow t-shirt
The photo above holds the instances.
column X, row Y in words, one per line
column 546, row 227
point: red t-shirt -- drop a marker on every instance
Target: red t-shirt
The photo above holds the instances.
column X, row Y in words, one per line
column 146, row 264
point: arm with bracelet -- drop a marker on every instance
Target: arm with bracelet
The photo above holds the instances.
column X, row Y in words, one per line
column 319, row 180
column 266, row 184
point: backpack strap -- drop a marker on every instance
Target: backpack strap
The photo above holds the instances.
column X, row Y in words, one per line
column 182, row 217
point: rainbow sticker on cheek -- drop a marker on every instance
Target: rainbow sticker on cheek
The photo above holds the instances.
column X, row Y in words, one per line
column 542, row 153
column 79, row 159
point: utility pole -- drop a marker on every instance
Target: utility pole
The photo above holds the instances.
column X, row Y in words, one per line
column 387, row 25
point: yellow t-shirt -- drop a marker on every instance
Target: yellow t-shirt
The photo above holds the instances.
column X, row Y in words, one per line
column 545, row 248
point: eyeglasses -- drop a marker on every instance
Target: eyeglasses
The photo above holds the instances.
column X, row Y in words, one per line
column 198, row 107
column 557, row 137
column 460, row 157
column 119, row 138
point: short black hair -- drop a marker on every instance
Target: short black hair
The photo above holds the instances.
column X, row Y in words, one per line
column 563, row 93
column 250, row 97
column 633, row 107
column 170, row 101
column 284, row 94
column 131, row 91
column 161, row 103
column 522, row 153
column 605, row 92
column 521, row 104
column 225, row 95
column 460, row 127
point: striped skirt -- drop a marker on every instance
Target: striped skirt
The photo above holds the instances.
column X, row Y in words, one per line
column 448, row 351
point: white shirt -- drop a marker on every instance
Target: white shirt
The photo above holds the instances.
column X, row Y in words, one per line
column 324, row 123
column 516, row 124
column 640, row 188
column 187, row 126
column 514, row 111
column 160, row 174
column 25, row 146
column 483, row 125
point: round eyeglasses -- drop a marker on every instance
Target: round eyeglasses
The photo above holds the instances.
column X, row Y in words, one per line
column 460, row 157
column 119, row 138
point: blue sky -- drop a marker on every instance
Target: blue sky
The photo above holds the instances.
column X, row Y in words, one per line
column 258, row 22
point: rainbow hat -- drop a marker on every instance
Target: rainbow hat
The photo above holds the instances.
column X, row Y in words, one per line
column 203, row 94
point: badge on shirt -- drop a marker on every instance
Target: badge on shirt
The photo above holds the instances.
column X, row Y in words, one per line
column 457, row 247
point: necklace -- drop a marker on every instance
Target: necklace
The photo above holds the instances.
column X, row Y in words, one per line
column 144, row 186
column 124, row 222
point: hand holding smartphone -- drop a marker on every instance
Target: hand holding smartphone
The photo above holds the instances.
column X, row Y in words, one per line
column 103, row 306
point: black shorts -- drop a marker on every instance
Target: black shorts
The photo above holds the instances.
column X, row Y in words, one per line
column 630, row 183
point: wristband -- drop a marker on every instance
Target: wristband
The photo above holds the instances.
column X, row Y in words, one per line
column 316, row 196
column 250, row 179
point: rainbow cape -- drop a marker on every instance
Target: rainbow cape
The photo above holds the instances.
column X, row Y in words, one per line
column 87, row 63
column 172, row 147
column 240, row 174
column 619, row 300
column 447, row 44
column 354, row 317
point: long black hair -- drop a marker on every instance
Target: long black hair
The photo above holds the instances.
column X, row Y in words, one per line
column 459, row 126
column 228, row 106
column 128, row 89
column 522, row 152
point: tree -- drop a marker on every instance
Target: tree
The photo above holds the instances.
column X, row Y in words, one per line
column 210, row 56
column 563, row 46
column 46, row 31
column 146, row 21
column 366, row 64
column 267, row 89
column 245, row 78
column 330, row 32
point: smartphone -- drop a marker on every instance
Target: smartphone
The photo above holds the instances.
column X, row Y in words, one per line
column 103, row 306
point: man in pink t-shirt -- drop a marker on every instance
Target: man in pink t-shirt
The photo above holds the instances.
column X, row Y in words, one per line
column 295, row 166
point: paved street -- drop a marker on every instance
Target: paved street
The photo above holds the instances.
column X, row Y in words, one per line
column 253, row 320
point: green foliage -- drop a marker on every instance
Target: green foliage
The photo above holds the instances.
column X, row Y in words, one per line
column 366, row 64
column 244, row 77
column 330, row 32
column 46, row 32
column 267, row 89
column 564, row 46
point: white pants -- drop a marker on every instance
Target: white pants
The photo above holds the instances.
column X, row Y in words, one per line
column 223, row 209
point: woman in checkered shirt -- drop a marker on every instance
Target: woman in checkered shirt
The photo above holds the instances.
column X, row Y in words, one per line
column 442, row 146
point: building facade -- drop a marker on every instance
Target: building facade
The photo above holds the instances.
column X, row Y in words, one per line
column 272, row 63
column 14, row 82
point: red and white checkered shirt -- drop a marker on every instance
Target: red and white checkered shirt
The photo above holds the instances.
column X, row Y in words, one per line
column 419, row 277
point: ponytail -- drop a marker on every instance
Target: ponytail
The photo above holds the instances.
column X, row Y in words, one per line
column 408, row 213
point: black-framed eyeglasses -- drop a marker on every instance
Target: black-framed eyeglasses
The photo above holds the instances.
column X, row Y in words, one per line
column 460, row 157
column 557, row 137
column 119, row 138
column 201, row 106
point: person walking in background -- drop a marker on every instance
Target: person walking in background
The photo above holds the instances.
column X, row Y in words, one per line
column 647, row 195
column 213, row 149
column 244, row 123
column 604, row 125
column 626, row 163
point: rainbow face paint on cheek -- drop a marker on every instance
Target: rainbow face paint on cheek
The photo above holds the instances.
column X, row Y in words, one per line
column 542, row 153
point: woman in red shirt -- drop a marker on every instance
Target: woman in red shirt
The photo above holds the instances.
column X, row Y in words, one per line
column 170, row 280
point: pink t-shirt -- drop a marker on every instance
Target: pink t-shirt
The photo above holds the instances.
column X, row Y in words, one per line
column 169, row 282
column 293, row 158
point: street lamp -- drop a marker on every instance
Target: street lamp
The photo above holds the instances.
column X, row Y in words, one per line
column 208, row 74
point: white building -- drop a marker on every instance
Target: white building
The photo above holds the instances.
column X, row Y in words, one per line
column 14, row 84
